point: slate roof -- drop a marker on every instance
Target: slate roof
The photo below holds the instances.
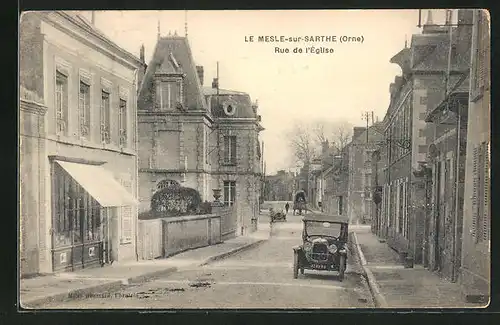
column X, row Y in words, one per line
column 241, row 100
column 172, row 54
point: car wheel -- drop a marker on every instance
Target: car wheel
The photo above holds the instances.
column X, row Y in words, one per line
column 301, row 270
column 295, row 265
column 342, row 265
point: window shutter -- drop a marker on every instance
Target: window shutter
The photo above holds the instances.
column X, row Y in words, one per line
column 126, row 215
column 233, row 150
column 475, row 185
column 486, row 192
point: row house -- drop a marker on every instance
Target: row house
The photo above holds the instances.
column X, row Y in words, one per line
column 403, row 192
column 78, row 161
column 335, row 180
column 364, row 142
column 204, row 138
column 443, row 170
column 474, row 275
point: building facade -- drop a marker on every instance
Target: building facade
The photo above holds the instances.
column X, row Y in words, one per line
column 476, row 259
column 78, row 173
column 447, row 135
column 335, row 180
column 205, row 138
column 280, row 187
column 364, row 142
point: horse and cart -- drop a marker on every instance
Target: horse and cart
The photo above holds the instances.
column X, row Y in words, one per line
column 300, row 203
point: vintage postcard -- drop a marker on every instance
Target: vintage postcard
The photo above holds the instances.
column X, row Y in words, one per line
column 254, row 159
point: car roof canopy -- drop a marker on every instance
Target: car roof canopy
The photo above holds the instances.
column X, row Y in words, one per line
column 323, row 217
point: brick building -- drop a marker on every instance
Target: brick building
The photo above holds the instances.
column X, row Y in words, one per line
column 78, row 157
column 205, row 138
column 476, row 260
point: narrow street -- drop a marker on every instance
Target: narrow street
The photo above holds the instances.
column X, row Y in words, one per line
column 257, row 278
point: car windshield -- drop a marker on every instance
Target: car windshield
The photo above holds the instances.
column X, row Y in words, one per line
column 315, row 228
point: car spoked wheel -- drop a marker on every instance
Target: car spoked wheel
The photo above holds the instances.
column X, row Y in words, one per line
column 295, row 265
column 342, row 268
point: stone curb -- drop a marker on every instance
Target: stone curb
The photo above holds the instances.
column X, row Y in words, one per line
column 378, row 298
column 232, row 252
column 105, row 286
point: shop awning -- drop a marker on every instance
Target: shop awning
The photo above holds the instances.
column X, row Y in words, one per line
column 99, row 183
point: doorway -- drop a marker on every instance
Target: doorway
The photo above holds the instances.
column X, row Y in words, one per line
column 77, row 219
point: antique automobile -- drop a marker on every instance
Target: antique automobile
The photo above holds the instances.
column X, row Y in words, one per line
column 324, row 245
column 277, row 214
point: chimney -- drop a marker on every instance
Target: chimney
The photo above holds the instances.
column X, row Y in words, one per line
column 141, row 55
column 200, row 71
column 357, row 131
column 92, row 17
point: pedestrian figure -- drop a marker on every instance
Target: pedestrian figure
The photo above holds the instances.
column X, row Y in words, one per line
column 287, row 206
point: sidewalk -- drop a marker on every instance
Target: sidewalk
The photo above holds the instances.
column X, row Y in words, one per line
column 57, row 287
column 394, row 286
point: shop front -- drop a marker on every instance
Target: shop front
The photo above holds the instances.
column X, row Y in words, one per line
column 85, row 202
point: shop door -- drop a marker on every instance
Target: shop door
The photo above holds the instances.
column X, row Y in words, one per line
column 77, row 232
column 440, row 214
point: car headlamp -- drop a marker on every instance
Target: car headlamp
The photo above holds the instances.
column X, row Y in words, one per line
column 343, row 250
column 307, row 245
column 332, row 248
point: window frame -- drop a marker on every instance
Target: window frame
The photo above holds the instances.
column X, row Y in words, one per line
column 122, row 121
column 229, row 199
column 105, row 116
column 230, row 150
column 84, row 109
column 61, row 106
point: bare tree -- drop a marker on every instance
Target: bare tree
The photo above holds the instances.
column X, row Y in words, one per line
column 306, row 139
column 337, row 133
column 302, row 143
column 342, row 136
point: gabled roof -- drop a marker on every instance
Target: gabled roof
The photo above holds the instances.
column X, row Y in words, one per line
column 172, row 55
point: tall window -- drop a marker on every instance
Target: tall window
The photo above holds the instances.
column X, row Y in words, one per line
column 230, row 150
column 229, row 192
column 122, row 122
column 168, row 94
column 105, row 117
column 61, row 103
column 84, row 110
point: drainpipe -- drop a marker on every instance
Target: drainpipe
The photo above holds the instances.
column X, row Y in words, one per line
column 136, row 219
column 454, row 274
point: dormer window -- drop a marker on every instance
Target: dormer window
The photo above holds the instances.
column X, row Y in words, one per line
column 169, row 94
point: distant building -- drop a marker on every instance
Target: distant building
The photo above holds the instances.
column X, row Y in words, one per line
column 205, row 138
column 335, row 184
column 280, row 186
column 363, row 143
column 78, row 149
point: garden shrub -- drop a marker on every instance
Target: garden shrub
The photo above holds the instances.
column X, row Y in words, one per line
column 175, row 201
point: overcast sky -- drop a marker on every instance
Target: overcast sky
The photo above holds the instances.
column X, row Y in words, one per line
column 289, row 87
